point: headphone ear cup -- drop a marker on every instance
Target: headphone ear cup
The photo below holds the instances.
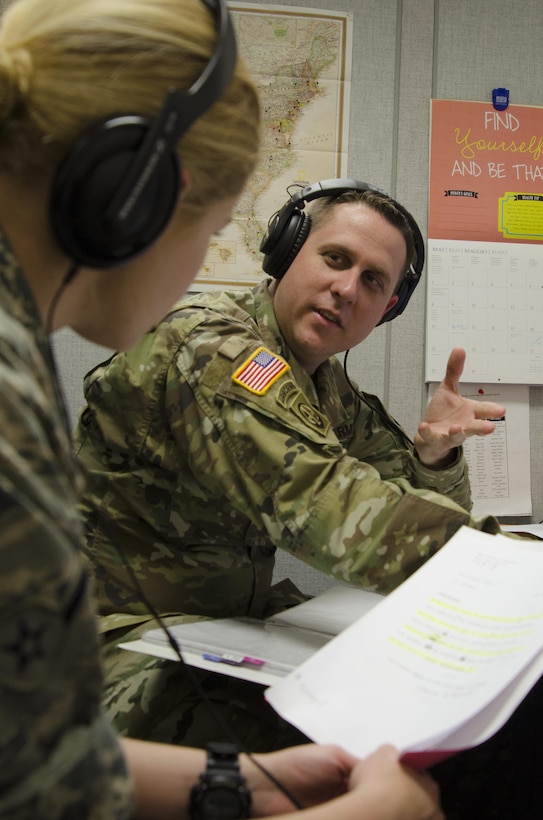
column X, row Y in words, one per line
column 86, row 184
column 282, row 250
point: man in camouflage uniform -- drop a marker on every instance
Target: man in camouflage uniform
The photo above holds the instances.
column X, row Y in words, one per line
column 202, row 470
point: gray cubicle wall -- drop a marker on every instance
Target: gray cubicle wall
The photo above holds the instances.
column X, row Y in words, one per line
column 404, row 53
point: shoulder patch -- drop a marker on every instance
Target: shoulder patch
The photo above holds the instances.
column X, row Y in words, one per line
column 305, row 411
column 260, row 371
column 287, row 393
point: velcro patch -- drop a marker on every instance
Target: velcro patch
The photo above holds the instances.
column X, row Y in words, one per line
column 260, row 371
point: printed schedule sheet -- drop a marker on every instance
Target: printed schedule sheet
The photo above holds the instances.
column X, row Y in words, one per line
column 500, row 482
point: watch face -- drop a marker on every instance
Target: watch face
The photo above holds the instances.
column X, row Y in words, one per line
column 222, row 803
column 221, row 792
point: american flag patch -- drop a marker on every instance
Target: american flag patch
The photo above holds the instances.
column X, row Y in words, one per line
column 260, row 371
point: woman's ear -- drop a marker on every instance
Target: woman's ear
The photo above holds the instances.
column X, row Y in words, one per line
column 185, row 181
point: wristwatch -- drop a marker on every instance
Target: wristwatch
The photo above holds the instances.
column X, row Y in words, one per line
column 221, row 792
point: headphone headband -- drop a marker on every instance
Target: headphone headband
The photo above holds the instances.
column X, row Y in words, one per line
column 179, row 110
column 118, row 187
column 289, row 227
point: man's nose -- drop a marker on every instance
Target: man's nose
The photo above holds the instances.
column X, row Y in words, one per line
column 345, row 285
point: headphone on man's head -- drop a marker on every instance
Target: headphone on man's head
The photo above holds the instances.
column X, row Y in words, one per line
column 289, row 228
column 118, row 187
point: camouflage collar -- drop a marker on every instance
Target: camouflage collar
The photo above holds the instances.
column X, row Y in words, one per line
column 17, row 301
column 16, row 297
column 266, row 320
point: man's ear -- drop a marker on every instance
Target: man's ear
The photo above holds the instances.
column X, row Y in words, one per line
column 391, row 302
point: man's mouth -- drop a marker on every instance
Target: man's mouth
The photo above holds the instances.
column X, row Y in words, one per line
column 329, row 316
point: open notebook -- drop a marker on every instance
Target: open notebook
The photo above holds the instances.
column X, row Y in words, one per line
column 262, row 650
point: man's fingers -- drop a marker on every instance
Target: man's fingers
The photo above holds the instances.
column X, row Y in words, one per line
column 455, row 366
column 480, row 427
column 488, row 410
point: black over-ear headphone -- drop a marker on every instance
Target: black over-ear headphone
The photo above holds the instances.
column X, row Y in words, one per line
column 118, row 187
column 289, row 227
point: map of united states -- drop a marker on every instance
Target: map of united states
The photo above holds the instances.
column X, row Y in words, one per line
column 300, row 61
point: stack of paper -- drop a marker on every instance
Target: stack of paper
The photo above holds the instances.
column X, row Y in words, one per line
column 439, row 665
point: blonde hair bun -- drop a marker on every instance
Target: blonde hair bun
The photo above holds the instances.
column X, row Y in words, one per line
column 15, row 78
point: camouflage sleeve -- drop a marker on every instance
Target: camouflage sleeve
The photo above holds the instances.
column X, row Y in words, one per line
column 58, row 755
column 452, row 481
column 396, row 456
column 273, row 455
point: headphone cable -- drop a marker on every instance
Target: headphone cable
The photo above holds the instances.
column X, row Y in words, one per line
column 387, row 421
column 71, row 272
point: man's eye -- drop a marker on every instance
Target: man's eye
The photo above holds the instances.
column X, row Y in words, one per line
column 335, row 258
column 372, row 279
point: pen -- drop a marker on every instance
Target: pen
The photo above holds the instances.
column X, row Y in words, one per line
column 253, row 661
column 233, row 659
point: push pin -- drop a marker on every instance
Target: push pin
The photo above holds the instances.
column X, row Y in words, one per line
column 500, row 98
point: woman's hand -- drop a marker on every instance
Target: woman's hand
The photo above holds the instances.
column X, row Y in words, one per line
column 312, row 773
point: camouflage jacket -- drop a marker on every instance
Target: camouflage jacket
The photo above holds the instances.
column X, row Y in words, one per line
column 202, row 468
column 58, row 755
